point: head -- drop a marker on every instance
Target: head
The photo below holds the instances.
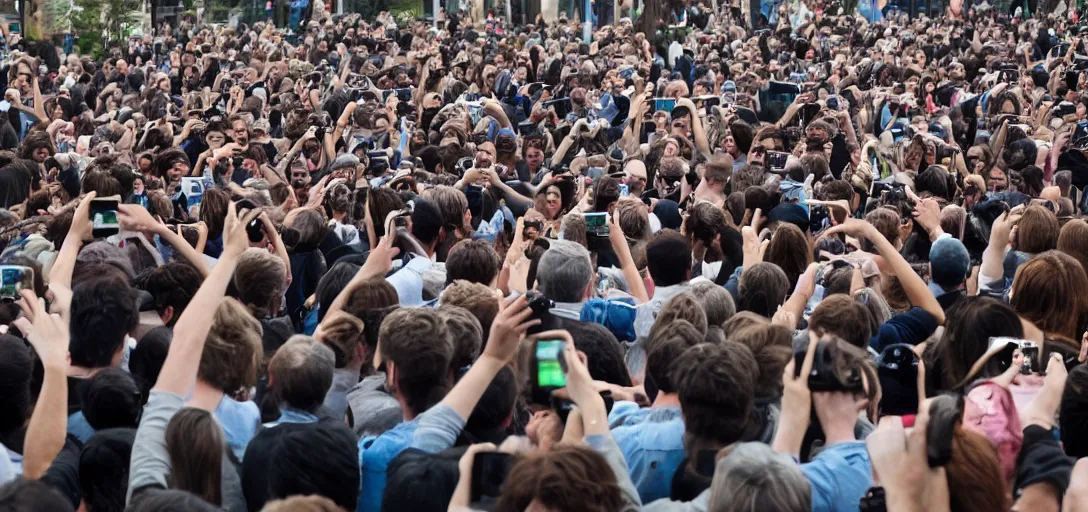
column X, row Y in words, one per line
column 1073, row 240
column 416, row 350
column 317, row 459
column 465, row 333
column 668, row 256
column 842, row 316
column 371, row 294
column 259, row 281
column 103, row 469
column 565, row 272
column 17, row 365
column 1037, row 230
column 196, row 445
column 172, row 286
column 232, row 352
column 762, row 289
column 111, row 399
column 1047, row 291
column 975, row 480
column 103, row 312
column 772, row 347
column 715, row 301
column 789, row 249
column 300, row 373
column 477, row 299
column 753, row 477
column 565, row 478
column 664, row 346
column 969, row 326
column 474, row 261
column 713, row 418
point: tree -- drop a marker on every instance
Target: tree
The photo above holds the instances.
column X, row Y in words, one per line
column 103, row 23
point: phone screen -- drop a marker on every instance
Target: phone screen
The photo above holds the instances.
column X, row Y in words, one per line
column 104, row 217
column 777, row 159
column 14, row 278
column 489, row 470
column 597, row 224
column 665, row 104
column 549, row 373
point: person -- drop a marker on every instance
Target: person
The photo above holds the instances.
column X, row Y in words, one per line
column 302, row 255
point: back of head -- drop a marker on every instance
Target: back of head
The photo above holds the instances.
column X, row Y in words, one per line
column 421, row 481
column 566, row 478
column 762, row 289
column 772, row 347
column 668, row 256
column 493, row 412
column 1037, row 230
column 371, row 294
column 16, row 366
column 474, row 261
column 789, row 249
column 301, row 373
column 465, row 333
column 1048, row 290
column 233, row 351
column 24, row 495
column 302, row 504
column 478, row 299
column 664, row 346
column 103, row 312
column 145, row 361
column 426, row 221
column 173, row 286
column 564, row 272
column 1073, row 240
column 196, row 445
column 681, row 306
column 715, row 301
column 844, row 317
column 754, row 477
column 975, row 481
column 112, row 399
column 603, row 355
column 332, row 283
column 103, row 469
column 700, row 375
column 317, row 459
column 970, row 325
column 260, row 279
column 416, row 344
column 343, row 334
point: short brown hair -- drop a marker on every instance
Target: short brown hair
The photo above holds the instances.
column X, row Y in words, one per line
column 1073, row 240
column 565, row 478
column 465, row 333
column 700, row 374
column 416, row 341
column 1037, row 230
column 371, row 294
column 260, row 279
column 634, row 219
column 342, row 333
column 477, row 299
column 663, row 346
column 1048, row 291
column 682, row 306
column 844, row 317
column 302, row 504
column 301, row 372
column 233, row 351
column 789, row 249
column 472, row 260
column 886, row 221
column 772, row 347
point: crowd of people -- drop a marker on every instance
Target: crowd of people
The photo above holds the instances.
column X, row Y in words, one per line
column 824, row 262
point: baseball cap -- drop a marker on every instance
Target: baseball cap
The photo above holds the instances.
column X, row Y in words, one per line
column 949, row 261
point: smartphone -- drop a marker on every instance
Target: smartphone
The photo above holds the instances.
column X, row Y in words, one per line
column 548, row 369
column 627, row 73
column 489, row 470
column 666, row 104
column 897, row 368
column 104, row 220
column 595, row 172
column 14, row 278
column 1030, row 364
column 777, row 160
column 596, row 224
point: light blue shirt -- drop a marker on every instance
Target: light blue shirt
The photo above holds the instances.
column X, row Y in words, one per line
column 652, row 443
column 239, row 421
column 840, row 475
column 375, row 455
column 408, row 281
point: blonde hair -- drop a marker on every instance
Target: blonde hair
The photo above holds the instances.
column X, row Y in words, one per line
column 233, row 350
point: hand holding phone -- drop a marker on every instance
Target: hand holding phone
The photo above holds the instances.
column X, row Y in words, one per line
column 104, row 217
column 14, row 278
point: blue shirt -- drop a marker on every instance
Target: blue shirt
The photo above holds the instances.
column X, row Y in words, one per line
column 911, row 327
column 840, row 475
column 375, row 454
column 239, row 421
column 652, row 443
column 79, row 427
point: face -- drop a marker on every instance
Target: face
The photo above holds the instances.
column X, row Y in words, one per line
column 554, row 201
column 680, row 128
column 250, row 165
column 41, row 154
column 671, row 149
column 998, row 180
column 730, row 145
column 240, row 132
column 215, row 140
column 144, row 164
column 974, row 160
column 533, row 158
column 300, row 176
column 177, row 171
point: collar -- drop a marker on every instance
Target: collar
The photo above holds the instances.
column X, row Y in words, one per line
column 568, row 310
column 291, row 415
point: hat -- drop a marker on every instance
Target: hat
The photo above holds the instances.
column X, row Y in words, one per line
column 668, row 212
column 949, row 261
column 792, row 213
column 342, row 162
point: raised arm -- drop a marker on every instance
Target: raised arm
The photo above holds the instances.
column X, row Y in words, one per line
column 134, row 217
column 697, row 130
column 46, row 431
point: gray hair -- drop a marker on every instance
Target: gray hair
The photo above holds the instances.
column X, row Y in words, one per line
column 753, row 477
column 301, row 372
column 716, row 302
column 564, row 271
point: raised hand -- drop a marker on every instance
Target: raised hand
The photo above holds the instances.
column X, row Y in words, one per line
column 509, row 327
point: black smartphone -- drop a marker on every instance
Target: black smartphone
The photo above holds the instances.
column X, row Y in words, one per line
column 945, row 411
column 104, row 218
column 255, row 231
column 776, row 160
column 548, row 369
column 489, row 470
column 897, row 369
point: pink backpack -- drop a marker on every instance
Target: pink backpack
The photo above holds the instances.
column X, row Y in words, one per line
column 990, row 410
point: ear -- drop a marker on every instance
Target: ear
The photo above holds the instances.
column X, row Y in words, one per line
column 167, row 315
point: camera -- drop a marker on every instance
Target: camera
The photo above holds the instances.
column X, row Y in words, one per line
column 830, row 371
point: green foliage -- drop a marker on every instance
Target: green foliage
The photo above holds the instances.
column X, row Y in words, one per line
column 103, row 23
